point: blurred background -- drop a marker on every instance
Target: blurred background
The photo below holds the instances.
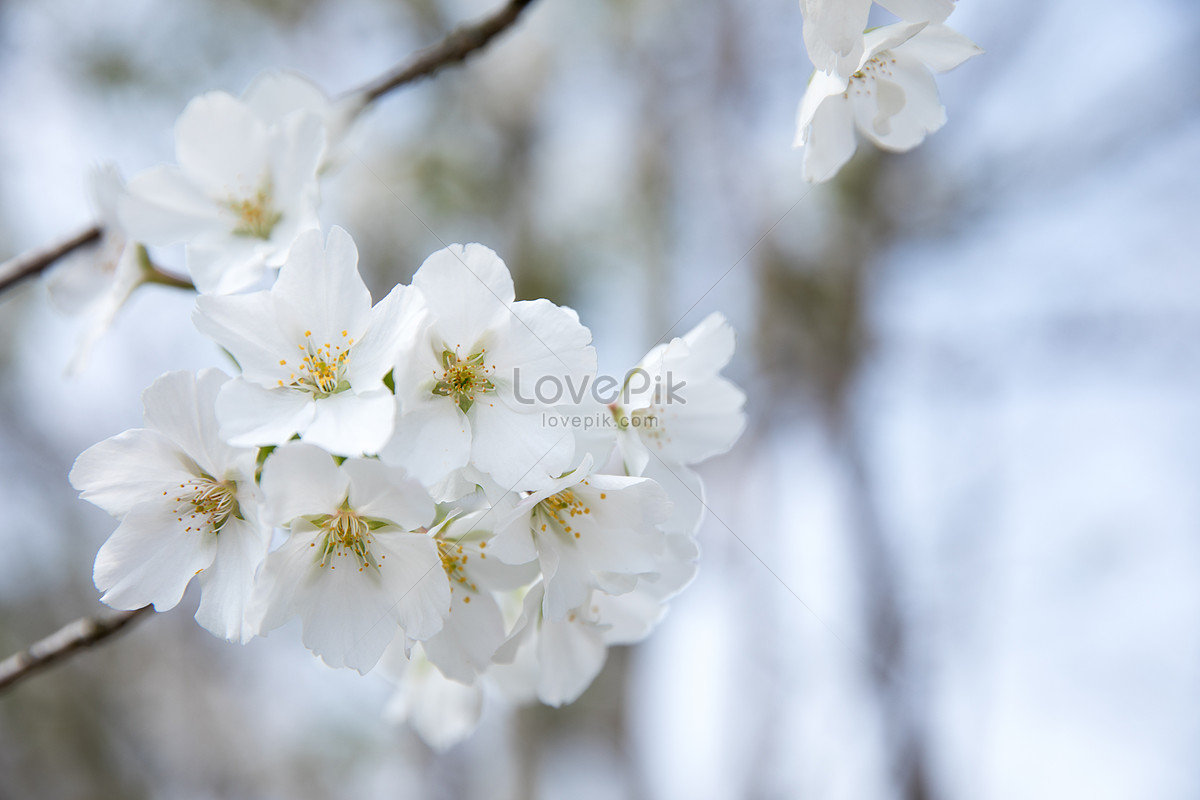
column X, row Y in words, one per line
column 955, row 554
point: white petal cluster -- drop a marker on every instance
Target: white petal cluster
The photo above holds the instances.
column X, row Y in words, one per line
column 395, row 475
column 244, row 190
column 95, row 284
column 879, row 82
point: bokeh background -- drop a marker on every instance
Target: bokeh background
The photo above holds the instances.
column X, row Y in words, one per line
column 956, row 553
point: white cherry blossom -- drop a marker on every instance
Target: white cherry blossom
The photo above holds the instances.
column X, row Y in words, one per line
column 467, row 386
column 276, row 94
column 475, row 625
column 244, row 188
column 561, row 657
column 187, row 504
column 587, row 531
column 891, row 96
column 313, row 351
column 833, row 29
column 96, row 282
column 441, row 711
column 678, row 410
column 357, row 566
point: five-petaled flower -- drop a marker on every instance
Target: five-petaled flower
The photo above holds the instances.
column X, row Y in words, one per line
column 457, row 381
column 244, row 189
column 890, row 97
column 187, row 504
column 313, row 352
column 358, row 565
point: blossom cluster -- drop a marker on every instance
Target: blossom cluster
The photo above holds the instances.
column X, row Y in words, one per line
column 387, row 472
column 878, row 81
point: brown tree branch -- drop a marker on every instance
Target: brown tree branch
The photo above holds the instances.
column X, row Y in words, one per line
column 36, row 261
column 71, row 638
column 458, row 45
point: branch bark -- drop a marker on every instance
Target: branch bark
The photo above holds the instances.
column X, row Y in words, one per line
column 458, row 45
column 71, row 638
column 36, row 261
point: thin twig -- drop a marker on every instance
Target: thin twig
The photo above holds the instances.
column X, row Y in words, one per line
column 458, row 45
column 35, row 261
column 75, row 636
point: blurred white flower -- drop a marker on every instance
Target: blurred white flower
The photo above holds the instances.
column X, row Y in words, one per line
column 466, row 386
column 356, row 566
column 276, row 94
column 441, row 711
column 833, row 29
column 475, row 626
column 187, row 504
column 244, row 189
column 891, row 97
column 313, row 351
column 96, row 282
column 587, row 531
column 560, row 658
column 678, row 410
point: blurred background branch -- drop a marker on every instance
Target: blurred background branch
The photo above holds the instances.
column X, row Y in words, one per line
column 453, row 49
column 66, row 641
column 37, row 261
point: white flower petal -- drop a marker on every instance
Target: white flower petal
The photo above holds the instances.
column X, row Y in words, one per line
column 474, row 628
column 570, row 656
column 162, row 207
column 181, row 406
column 381, row 492
column 223, row 264
column 686, row 492
column 274, row 94
column 442, row 712
column 227, row 586
column 253, row 416
column 395, row 321
column 247, row 326
column 889, row 37
column 940, row 48
column 129, row 468
column 301, row 480
column 705, row 423
column 920, row 112
column 412, row 576
column 830, row 141
column 152, row 557
column 430, row 441
column 295, row 159
column 547, row 344
column 821, row 87
column 221, row 146
column 350, row 424
column 833, row 32
column 518, row 450
column 319, row 291
column 469, row 288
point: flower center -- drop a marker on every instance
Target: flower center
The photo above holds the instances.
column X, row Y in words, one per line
column 464, row 379
column 321, row 371
column 346, row 534
column 256, row 215
column 560, row 509
column 454, row 562
column 206, row 504
column 878, row 66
